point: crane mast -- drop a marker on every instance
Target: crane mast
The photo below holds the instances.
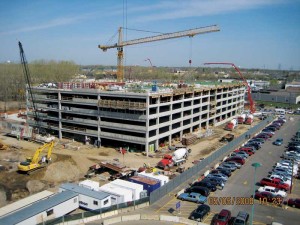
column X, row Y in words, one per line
column 121, row 43
column 251, row 102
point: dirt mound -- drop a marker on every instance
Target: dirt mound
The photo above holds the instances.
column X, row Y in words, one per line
column 62, row 171
column 35, row 186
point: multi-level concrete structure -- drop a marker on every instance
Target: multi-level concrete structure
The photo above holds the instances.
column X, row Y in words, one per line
column 141, row 120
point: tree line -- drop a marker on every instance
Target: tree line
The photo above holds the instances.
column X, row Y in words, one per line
column 13, row 81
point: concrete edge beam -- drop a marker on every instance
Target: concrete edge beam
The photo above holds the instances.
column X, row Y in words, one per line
column 131, row 217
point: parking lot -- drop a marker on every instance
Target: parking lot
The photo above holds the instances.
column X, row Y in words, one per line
column 237, row 193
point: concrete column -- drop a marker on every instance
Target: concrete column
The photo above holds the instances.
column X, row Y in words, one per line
column 99, row 119
column 59, row 116
column 147, row 125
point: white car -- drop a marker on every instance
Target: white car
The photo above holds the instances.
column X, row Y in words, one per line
column 273, row 190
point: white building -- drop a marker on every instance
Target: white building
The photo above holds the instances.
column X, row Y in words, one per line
column 88, row 199
column 118, row 194
column 39, row 212
column 137, row 189
column 159, row 177
column 90, row 184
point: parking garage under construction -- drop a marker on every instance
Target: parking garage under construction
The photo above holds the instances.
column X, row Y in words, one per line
column 140, row 119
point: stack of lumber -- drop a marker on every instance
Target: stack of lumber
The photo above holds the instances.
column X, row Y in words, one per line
column 189, row 139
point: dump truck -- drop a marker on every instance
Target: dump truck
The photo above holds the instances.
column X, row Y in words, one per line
column 177, row 158
column 249, row 120
column 231, row 125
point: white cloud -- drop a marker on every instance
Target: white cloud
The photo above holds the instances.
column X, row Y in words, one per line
column 52, row 23
column 169, row 10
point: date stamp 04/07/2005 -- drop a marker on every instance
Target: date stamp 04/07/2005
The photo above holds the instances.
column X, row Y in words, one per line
column 241, row 201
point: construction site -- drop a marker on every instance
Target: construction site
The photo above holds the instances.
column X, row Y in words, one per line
column 106, row 131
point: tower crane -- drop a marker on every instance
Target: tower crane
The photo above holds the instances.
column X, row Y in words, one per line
column 251, row 102
column 121, row 43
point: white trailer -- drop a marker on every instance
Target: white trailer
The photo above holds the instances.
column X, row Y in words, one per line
column 136, row 189
column 90, row 184
column 88, row 199
column 118, row 194
column 42, row 211
column 161, row 178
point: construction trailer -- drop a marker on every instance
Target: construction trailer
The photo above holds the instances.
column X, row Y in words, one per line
column 44, row 210
column 154, row 175
column 88, row 199
column 138, row 191
column 90, row 184
column 118, row 194
column 140, row 119
column 23, row 203
column 149, row 184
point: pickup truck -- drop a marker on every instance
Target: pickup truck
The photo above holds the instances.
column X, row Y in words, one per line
column 192, row 197
column 273, row 190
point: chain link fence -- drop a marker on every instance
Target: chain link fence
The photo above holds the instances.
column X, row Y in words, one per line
column 202, row 166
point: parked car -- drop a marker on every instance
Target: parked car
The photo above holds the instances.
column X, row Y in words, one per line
column 199, row 213
column 234, row 164
column 273, row 190
column 227, row 167
column 214, row 180
column 209, row 185
column 261, row 140
column 268, row 134
column 198, row 189
column 192, row 197
column 272, row 128
column 241, row 218
column 293, row 148
column 219, row 176
column 269, row 197
column 247, row 150
column 223, row 171
column 222, row 218
column 294, row 144
column 266, row 130
column 274, row 183
column 294, row 202
column 237, row 159
column 278, row 141
column 282, row 178
column 252, row 144
column 242, row 154
column 265, row 137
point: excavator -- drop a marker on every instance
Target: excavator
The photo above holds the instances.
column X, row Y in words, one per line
column 34, row 163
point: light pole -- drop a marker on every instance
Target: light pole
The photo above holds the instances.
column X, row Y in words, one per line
column 255, row 165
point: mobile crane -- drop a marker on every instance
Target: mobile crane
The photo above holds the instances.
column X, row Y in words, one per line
column 35, row 162
column 121, row 43
column 251, row 102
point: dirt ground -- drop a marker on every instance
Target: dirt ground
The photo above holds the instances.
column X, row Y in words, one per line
column 71, row 161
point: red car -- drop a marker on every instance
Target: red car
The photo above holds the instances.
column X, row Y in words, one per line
column 237, row 159
column 248, row 150
column 294, row 202
column 222, row 218
column 275, row 182
column 269, row 197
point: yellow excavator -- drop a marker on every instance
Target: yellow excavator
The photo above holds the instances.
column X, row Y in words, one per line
column 34, row 163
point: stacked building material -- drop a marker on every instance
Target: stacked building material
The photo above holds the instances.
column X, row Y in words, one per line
column 189, row 139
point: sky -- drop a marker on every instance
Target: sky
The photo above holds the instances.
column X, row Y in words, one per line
column 263, row 34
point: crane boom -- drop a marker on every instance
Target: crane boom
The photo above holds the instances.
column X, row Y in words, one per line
column 251, row 102
column 28, row 80
column 121, row 43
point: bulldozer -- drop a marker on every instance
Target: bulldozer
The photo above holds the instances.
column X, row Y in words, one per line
column 35, row 162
